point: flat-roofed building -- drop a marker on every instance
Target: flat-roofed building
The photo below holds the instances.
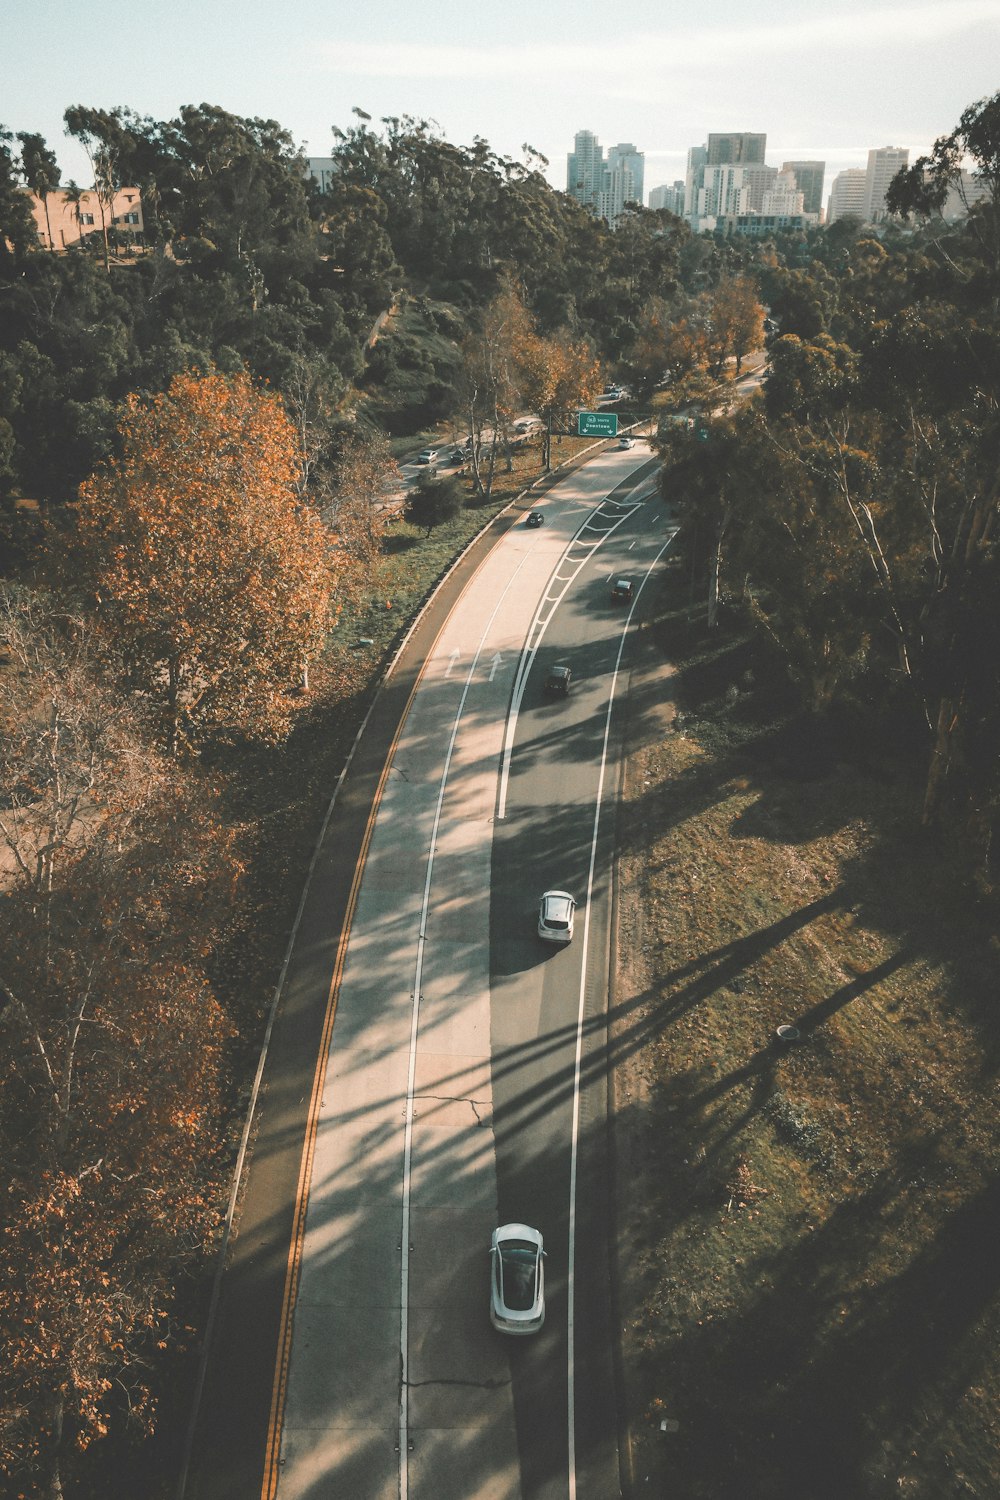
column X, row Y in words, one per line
column 64, row 219
column 669, row 195
column 585, row 170
column 783, row 197
column 847, row 195
column 740, row 147
column 809, row 178
column 883, row 164
column 323, row 170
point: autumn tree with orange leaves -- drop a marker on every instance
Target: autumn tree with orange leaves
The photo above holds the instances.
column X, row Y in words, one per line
column 211, row 574
column 116, row 874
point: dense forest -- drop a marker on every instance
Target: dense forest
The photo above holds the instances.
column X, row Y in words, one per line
column 193, row 434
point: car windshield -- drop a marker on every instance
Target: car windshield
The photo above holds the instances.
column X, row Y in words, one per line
column 551, row 920
column 517, row 1268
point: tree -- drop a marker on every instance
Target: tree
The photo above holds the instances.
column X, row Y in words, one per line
column 100, row 134
column 562, row 375
column 434, row 499
column 118, row 878
column 923, row 187
column 355, row 509
column 74, row 197
column 212, row 578
column 17, row 227
column 495, row 358
column 735, row 322
column 40, row 171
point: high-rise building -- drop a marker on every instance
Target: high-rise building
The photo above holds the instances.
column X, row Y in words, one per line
column 883, row 164
column 726, row 176
column 669, row 195
column 758, row 179
column 725, row 190
column 585, row 170
column 783, row 197
column 695, row 178
column 809, row 179
column 847, row 195
column 623, row 179
column 604, row 186
column 743, row 149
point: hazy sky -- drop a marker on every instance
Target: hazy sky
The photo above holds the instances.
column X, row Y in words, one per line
column 824, row 81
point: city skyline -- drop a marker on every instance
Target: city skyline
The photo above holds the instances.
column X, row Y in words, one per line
column 862, row 75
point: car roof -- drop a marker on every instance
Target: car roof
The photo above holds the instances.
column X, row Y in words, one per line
column 517, row 1231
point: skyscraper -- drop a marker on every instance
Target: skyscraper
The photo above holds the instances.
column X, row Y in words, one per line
column 695, row 179
column 624, row 173
column 743, row 149
column 809, row 179
column 726, row 176
column 847, row 195
column 585, row 170
column 883, row 164
column 669, row 195
column 604, row 186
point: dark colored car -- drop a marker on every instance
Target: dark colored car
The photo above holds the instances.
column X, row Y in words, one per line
column 622, row 590
column 535, row 518
column 558, row 679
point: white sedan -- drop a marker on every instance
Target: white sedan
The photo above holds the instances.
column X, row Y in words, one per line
column 517, row 1279
column 555, row 917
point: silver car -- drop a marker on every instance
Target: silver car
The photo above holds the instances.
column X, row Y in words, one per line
column 555, row 917
column 517, row 1279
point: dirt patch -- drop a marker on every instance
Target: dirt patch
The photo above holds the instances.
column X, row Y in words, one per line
column 809, row 1270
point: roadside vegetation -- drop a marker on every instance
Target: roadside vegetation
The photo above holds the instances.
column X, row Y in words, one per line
column 202, row 579
column 807, row 1272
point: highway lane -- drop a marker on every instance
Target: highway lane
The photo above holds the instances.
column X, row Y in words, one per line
column 395, row 1382
column 549, row 1011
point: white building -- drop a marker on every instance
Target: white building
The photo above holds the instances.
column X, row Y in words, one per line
column 726, row 177
column 669, row 195
column 323, row 170
column 962, row 195
column 604, row 186
column 783, row 197
column 847, row 195
column 585, row 170
column 883, row 164
column 623, row 179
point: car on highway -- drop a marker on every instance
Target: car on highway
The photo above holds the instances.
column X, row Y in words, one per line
column 622, row 590
column 625, row 441
column 555, row 917
column 534, row 518
column 558, row 679
column 428, row 455
column 517, row 1279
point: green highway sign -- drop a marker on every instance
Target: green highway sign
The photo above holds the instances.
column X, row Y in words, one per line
column 596, row 424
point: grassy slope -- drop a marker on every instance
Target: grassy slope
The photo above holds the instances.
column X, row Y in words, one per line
column 810, row 1262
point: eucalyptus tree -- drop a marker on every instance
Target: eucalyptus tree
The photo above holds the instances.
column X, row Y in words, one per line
column 40, row 171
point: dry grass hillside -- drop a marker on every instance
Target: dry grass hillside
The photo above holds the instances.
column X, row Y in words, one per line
column 810, row 1256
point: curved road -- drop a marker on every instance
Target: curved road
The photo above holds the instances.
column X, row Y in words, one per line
column 463, row 1081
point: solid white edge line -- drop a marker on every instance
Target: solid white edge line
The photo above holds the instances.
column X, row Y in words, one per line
column 575, row 1135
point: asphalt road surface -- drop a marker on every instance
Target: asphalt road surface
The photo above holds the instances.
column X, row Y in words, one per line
column 462, row 1079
